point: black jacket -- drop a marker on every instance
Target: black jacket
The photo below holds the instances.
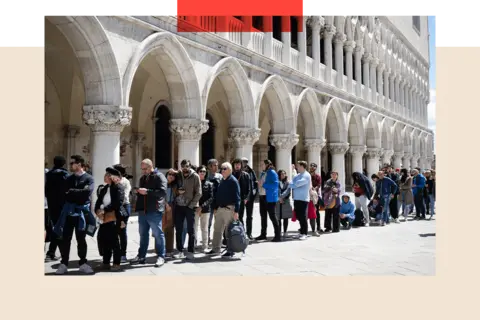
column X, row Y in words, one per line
column 79, row 189
column 154, row 200
column 244, row 181
column 55, row 189
column 117, row 197
column 253, row 183
column 207, row 196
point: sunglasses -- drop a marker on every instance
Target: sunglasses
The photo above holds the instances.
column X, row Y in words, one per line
column 223, row 168
column 202, row 171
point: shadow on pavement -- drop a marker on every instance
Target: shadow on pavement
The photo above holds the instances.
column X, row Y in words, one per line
column 424, row 235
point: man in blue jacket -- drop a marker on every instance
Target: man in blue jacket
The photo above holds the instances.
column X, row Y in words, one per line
column 385, row 189
column 271, row 189
column 418, row 184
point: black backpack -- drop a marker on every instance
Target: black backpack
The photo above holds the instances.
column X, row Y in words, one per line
column 237, row 238
column 358, row 222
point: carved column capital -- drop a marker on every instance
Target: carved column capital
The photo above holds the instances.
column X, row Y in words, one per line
column 329, row 31
column 367, row 58
column 357, row 150
column 339, row 38
column 284, row 141
column 374, row 153
column 316, row 22
column 243, row 136
column 398, row 154
column 314, row 145
column 138, row 138
column 71, row 131
column 188, row 129
column 107, row 117
column 338, row 148
column 349, row 46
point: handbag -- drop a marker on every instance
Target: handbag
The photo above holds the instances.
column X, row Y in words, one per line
column 313, row 196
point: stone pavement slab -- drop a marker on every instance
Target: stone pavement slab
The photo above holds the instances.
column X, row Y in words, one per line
column 405, row 249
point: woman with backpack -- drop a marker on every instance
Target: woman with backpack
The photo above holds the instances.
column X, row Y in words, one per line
column 330, row 195
column 284, row 207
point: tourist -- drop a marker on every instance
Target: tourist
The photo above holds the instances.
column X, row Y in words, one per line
column 431, row 188
column 363, row 191
column 330, row 194
column 127, row 188
column 168, row 218
column 110, row 210
column 202, row 213
column 55, row 188
column 269, row 183
column 300, row 186
column 394, row 202
column 251, row 199
column 347, row 212
column 214, row 177
column 406, row 195
column 76, row 215
column 385, row 189
column 150, row 207
column 262, row 200
column 294, row 171
column 375, row 208
column 426, row 197
column 226, row 206
column 243, row 179
column 418, row 184
column 190, row 191
column 284, row 207
column 315, row 215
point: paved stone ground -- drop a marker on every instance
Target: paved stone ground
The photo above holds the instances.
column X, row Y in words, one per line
column 407, row 248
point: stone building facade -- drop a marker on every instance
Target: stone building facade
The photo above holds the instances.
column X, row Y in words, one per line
column 345, row 92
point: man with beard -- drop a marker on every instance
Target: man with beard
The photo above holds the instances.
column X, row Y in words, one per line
column 394, row 202
column 363, row 190
column 316, row 184
column 245, row 187
column 214, row 177
column 55, row 188
column 251, row 199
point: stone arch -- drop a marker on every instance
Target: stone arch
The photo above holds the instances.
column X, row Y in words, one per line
column 398, row 137
column 335, row 124
column 356, row 131
column 372, row 132
column 280, row 105
column 234, row 79
column 359, row 33
column 386, row 135
column 309, row 109
column 349, row 29
column 178, row 70
column 101, row 74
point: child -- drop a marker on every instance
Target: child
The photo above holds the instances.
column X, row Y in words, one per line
column 347, row 212
column 375, row 208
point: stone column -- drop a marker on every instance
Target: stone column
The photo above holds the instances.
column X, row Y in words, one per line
column 262, row 154
column 243, row 139
column 414, row 161
column 366, row 74
column 387, row 157
column 358, row 70
column 339, row 40
column 406, row 160
column 328, row 33
column 386, row 88
column 397, row 159
column 429, row 162
column 268, row 36
column 357, row 157
column 380, row 69
column 71, row 134
column 188, row 133
column 349, row 46
column 284, row 144
column 338, row 160
column 314, row 149
column 138, row 140
column 316, row 23
column 373, row 156
column 106, row 123
column 373, row 80
column 399, row 94
column 392, row 93
column 302, row 43
column 247, row 32
column 286, row 40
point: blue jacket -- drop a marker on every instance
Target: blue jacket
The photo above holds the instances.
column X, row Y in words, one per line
column 301, row 186
column 86, row 218
column 271, row 185
column 348, row 208
column 385, row 187
column 419, row 181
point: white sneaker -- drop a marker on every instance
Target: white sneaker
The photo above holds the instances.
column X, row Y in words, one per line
column 179, row 255
column 367, row 224
column 316, row 234
column 302, row 237
column 160, row 262
column 85, row 268
column 62, row 269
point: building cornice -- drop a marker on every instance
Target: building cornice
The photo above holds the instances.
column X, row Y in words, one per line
column 259, row 62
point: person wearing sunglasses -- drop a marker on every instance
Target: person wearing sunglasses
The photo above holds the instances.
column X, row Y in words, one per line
column 214, row 177
column 226, row 206
column 202, row 213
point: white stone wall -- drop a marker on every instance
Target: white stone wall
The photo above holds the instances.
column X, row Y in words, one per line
column 405, row 26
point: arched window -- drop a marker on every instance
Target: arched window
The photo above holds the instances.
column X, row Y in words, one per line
column 271, row 152
column 163, row 138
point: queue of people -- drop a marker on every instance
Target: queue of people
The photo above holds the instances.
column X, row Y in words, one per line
column 174, row 207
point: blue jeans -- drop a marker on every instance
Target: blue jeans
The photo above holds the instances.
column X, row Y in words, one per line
column 151, row 220
column 385, row 215
column 432, row 204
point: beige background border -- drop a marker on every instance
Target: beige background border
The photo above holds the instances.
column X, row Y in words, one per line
column 28, row 294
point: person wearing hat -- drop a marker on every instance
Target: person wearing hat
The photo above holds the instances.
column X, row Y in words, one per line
column 111, row 212
column 251, row 199
column 127, row 187
column 245, row 186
